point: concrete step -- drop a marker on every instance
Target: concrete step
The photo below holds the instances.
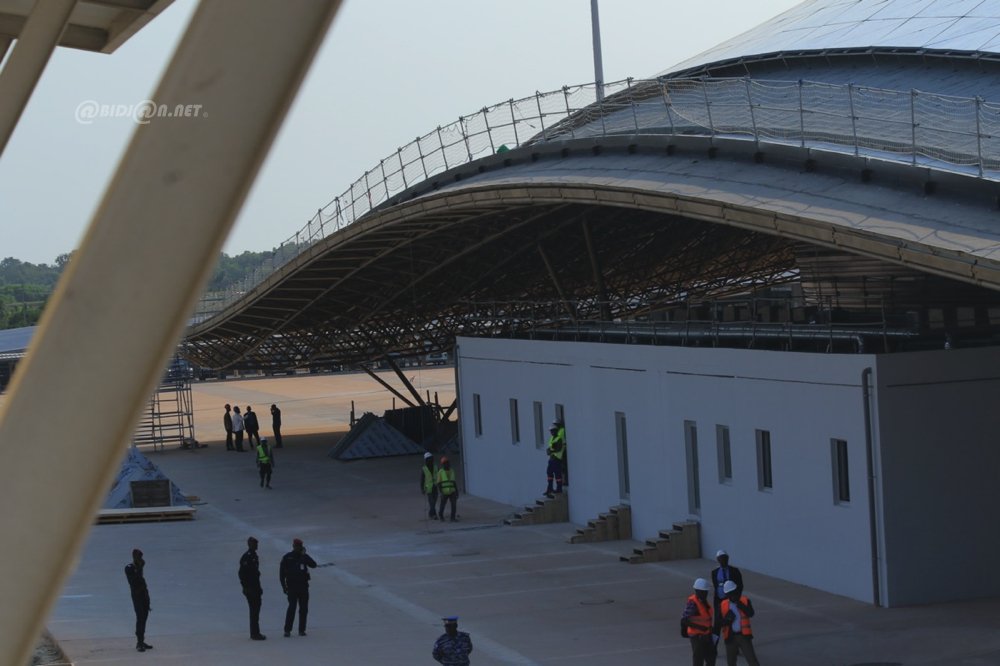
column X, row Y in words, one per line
column 610, row 526
column 624, row 515
column 546, row 510
column 681, row 543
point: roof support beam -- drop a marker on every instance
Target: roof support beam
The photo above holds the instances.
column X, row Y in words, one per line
column 35, row 44
column 595, row 267
column 176, row 193
column 406, row 382
column 570, row 310
column 389, row 387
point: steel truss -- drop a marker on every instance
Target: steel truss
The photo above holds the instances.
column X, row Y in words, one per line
column 412, row 285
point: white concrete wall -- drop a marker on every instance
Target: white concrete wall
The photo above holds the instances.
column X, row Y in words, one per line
column 940, row 467
column 794, row 531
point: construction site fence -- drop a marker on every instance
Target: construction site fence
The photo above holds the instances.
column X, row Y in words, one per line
column 951, row 133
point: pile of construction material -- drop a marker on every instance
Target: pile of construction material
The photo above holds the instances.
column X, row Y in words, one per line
column 141, row 492
column 399, row 432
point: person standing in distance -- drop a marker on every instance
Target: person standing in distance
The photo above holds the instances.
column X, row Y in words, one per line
column 227, row 423
column 720, row 575
column 238, row 428
column 736, row 613
column 276, row 425
column 447, row 488
column 697, row 623
column 140, row 598
column 427, row 484
column 453, row 647
column 265, row 463
column 252, row 426
column 294, row 576
column 557, row 451
column 250, row 582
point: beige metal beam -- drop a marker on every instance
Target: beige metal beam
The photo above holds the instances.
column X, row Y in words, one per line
column 118, row 311
column 570, row 310
column 35, row 44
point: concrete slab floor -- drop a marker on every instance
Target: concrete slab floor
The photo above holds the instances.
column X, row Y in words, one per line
column 387, row 575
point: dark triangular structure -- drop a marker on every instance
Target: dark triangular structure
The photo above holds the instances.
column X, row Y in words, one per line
column 137, row 467
column 373, row 437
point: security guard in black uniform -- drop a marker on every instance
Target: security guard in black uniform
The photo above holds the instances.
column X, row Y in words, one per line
column 250, row 581
column 140, row 598
column 294, row 578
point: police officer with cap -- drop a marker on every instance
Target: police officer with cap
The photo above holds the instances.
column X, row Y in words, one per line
column 249, row 574
column 453, row 647
column 294, row 576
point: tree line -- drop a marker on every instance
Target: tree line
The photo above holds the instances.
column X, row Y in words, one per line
column 25, row 287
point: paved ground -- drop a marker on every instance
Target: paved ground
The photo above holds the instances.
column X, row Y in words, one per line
column 387, row 575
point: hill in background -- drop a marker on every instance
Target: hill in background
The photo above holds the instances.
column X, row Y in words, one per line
column 25, row 287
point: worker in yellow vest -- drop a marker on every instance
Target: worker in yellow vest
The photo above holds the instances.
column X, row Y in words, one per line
column 428, row 484
column 265, row 463
column 557, row 452
column 696, row 624
column 447, row 488
column 736, row 611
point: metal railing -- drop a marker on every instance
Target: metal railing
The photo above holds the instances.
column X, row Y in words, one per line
column 950, row 133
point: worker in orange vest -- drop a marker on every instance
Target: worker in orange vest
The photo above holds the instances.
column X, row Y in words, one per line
column 696, row 624
column 736, row 611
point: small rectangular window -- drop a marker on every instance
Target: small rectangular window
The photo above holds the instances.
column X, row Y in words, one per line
column 841, row 477
column 764, row 480
column 691, row 451
column 621, row 433
column 539, row 426
column 725, row 453
column 559, row 414
column 515, row 425
column 477, row 414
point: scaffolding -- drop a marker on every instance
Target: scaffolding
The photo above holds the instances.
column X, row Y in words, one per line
column 169, row 416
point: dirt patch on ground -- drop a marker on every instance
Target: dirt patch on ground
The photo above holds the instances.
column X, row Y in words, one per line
column 48, row 653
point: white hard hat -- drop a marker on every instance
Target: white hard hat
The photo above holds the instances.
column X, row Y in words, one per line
column 729, row 586
column 427, row 455
column 702, row 584
column 720, row 553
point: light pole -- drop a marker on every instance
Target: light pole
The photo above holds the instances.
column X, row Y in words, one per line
column 595, row 24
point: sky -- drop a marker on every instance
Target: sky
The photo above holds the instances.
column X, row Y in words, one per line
column 388, row 71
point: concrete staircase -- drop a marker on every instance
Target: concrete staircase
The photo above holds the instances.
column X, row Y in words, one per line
column 546, row 510
column 683, row 542
column 611, row 526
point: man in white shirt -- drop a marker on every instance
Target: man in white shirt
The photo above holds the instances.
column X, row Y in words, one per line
column 238, row 428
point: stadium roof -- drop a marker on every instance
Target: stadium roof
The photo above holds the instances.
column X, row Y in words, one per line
column 667, row 195
column 971, row 26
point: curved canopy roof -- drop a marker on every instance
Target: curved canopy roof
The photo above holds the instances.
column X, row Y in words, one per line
column 585, row 237
column 607, row 227
column 945, row 25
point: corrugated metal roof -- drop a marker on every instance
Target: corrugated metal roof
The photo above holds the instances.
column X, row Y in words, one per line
column 956, row 25
column 14, row 341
